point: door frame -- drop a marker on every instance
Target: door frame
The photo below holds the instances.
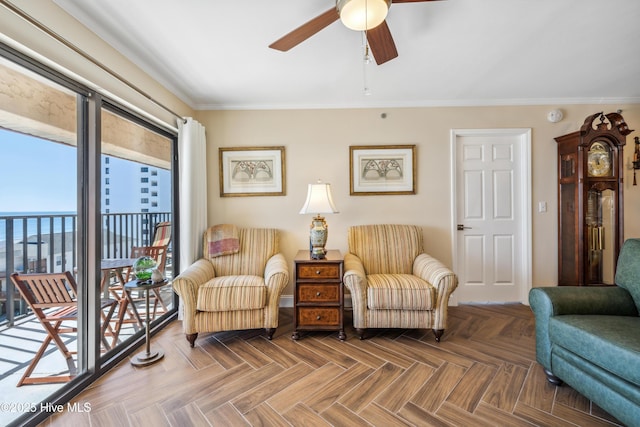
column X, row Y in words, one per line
column 524, row 276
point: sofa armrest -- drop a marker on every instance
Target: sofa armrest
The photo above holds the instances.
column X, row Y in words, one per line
column 435, row 272
column 276, row 274
column 355, row 279
column 276, row 278
column 354, row 271
column 554, row 301
column 558, row 300
column 186, row 286
column 443, row 279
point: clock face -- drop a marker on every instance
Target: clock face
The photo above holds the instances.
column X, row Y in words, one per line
column 599, row 160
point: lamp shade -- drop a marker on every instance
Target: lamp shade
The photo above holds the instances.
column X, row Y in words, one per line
column 362, row 15
column 319, row 200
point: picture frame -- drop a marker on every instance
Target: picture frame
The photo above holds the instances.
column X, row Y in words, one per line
column 382, row 169
column 251, row 171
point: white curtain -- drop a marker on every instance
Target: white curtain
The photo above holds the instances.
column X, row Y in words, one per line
column 192, row 158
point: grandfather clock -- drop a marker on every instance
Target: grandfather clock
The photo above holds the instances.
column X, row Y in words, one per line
column 590, row 200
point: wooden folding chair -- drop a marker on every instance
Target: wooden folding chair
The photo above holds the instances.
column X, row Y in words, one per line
column 162, row 237
column 162, row 234
column 53, row 300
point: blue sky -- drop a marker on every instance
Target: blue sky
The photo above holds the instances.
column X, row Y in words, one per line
column 36, row 175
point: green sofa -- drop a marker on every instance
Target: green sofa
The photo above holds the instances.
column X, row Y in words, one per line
column 589, row 337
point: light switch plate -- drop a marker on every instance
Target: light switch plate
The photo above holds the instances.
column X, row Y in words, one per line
column 542, row 207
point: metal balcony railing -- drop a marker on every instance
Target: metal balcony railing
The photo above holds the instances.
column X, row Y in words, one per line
column 48, row 243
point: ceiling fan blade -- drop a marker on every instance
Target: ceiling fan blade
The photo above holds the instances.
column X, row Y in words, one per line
column 381, row 43
column 306, row 30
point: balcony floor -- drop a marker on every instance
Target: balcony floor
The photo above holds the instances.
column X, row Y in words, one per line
column 18, row 346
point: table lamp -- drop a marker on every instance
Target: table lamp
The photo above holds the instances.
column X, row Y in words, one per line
column 319, row 201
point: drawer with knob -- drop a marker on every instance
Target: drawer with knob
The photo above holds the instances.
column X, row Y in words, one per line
column 329, row 316
column 307, row 271
column 310, row 293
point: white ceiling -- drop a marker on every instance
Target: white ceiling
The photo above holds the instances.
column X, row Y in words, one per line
column 213, row 54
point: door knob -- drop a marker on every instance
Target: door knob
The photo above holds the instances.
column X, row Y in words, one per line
column 462, row 227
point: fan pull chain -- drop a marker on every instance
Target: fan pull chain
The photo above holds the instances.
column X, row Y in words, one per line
column 367, row 90
column 367, row 57
column 366, row 61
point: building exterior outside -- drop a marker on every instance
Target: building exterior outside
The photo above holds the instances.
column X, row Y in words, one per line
column 133, row 187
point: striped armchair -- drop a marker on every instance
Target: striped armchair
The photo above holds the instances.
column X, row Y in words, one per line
column 234, row 291
column 393, row 284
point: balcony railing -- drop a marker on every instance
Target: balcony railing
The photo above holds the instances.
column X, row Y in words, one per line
column 48, row 243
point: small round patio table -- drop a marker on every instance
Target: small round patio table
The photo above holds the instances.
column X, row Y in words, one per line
column 149, row 356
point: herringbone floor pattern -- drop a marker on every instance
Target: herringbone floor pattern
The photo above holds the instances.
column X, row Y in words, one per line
column 483, row 373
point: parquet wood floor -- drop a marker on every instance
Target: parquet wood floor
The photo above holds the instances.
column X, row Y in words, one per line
column 482, row 373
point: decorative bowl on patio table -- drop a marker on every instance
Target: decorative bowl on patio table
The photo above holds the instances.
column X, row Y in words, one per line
column 143, row 268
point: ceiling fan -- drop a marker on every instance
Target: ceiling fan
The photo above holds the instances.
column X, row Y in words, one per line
column 361, row 15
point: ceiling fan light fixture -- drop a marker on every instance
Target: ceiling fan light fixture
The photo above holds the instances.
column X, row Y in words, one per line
column 362, row 15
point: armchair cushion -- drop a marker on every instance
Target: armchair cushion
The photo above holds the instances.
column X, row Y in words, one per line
column 257, row 246
column 386, row 248
column 399, row 292
column 229, row 293
column 596, row 338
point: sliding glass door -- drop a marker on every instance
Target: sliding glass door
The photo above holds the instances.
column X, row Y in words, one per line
column 136, row 214
column 38, row 226
column 84, row 184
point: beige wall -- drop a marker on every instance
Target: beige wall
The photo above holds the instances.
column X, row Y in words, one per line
column 317, row 147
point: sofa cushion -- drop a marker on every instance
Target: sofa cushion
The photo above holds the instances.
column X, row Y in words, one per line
column 228, row 293
column 256, row 247
column 610, row 342
column 628, row 269
column 399, row 292
column 386, row 248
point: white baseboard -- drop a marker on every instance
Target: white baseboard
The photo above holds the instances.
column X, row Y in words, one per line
column 286, row 300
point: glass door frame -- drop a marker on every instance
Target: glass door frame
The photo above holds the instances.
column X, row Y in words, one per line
column 91, row 363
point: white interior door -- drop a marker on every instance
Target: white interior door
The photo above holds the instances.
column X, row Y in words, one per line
column 492, row 185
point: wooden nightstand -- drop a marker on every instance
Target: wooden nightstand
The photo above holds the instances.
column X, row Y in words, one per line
column 318, row 294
